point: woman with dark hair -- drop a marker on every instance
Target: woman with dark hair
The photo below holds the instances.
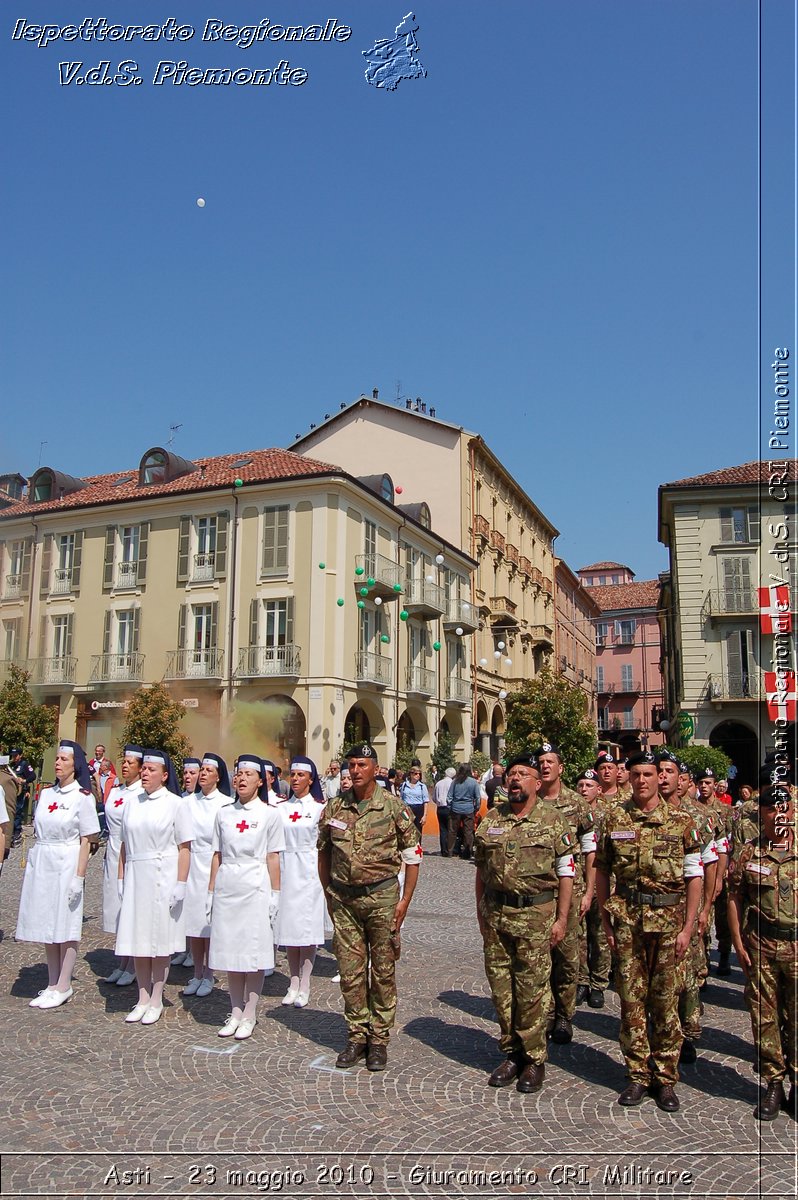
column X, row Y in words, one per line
column 212, row 794
column 300, row 925
column 244, row 893
column 154, row 862
column 463, row 802
column 118, row 797
column 51, row 904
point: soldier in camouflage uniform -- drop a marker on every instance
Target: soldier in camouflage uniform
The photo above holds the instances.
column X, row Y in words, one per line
column 763, row 916
column 688, row 970
column 723, row 833
column 595, row 960
column 364, row 837
column 578, row 816
column 654, row 852
column 525, row 869
column 622, row 778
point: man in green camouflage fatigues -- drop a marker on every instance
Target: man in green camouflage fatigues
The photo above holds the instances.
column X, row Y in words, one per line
column 763, row 916
column 722, row 815
column 578, row 817
column 595, row 960
column 365, row 835
column 654, row 852
column 525, row 869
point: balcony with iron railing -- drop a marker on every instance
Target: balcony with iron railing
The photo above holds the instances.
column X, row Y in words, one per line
column 204, row 567
column 731, row 602
column 734, row 685
column 127, row 575
column 420, row 680
column 461, row 614
column 384, row 574
column 13, row 587
column 194, row 664
column 62, row 581
column 261, row 661
column 56, row 669
column 373, row 668
column 628, row 686
column 458, row 691
column 117, row 668
column 424, row 599
column 606, row 689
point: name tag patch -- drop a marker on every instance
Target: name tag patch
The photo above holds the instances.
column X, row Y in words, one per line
column 623, row 835
column 335, row 824
column 756, row 869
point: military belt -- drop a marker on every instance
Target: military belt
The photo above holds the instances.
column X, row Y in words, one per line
column 352, row 890
column 514, row 900
column 652, row 899
column 764, row 928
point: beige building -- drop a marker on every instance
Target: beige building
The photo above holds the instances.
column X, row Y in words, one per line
column 289, row 605
column 477, row 505
column 576, row 613
column 729, row 533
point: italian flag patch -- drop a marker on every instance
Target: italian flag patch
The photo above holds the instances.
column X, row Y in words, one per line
column 566, row 839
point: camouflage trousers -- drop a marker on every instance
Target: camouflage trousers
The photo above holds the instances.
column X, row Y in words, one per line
column 688, row 974
column 565, row 964
column 594, row 953
column 518, row 969
column 366, row 960
column 646, row 982
column 771, row 995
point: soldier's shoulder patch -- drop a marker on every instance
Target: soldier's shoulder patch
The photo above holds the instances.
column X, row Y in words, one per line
column 565, row 839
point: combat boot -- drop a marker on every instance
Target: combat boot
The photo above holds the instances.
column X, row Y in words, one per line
column 771, row 1102
column 724, row 965
column 351, row 1054
column 582, row 993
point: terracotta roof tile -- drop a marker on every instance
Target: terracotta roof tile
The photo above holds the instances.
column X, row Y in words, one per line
column 627, row 595
column 606, row 566
column 749, row 472
column 210, row 474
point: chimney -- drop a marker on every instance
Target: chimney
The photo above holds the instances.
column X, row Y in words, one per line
column 408, row 403
column 432, row 411
column 375, row 393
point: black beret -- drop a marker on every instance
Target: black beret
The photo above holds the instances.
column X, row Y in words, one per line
column 364, row 750
column 666, row 756
column 769, row 797
column 604, row 756
column 523, row 760
column 705, row 773
column 644, row 756
column 548, row 748
column 588, row 774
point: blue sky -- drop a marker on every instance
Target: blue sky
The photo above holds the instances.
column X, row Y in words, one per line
column 552, row 239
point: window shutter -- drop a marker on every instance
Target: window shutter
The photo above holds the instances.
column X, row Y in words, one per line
column 136, row 629
column 144, row 534
column 107, row 633
column 181, row 627
column 254, row 607
column 214, row 624
column 26, row 556
column 108, row 564
column 47, row 552
column 220, row 566
column 726, row 525
column 753, row 525
column 289, row 620
column 183, row 547
column 2, row 557
column 618, row 630
column 42, row 636
column 70, row 622
column 77, row 558
column 268, row 539
column 734, row 659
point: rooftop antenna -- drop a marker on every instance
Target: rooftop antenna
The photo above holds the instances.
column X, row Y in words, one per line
column 41, row 447
column 172, row 431
column 398, row 390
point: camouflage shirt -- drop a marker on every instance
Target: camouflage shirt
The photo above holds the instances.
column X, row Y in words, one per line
column 766, row 880
column 646, row 852
column 721, row 817
column 575, row 810
column 369, row 839
column 745, row 827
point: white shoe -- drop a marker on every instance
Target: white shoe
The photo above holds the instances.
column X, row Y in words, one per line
column 178, row 960
column 126, row 978
column 230, row 1026
column 112, row 978
column 336, row 978
column 205, row 987
column 136, row 1013
column 291, row 995
column 36, row 1002
column 152, row 1015
column 269, row 971
column 301, row 999
column 188, row 961
column 191, row 987
column 56, row 998
column 245, row 1028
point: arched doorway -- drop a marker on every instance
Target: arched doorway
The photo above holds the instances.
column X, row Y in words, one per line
column 740, row 744
column 482, row 739
column 497, row 728
column 357, row 727
column 276, row 724
column 405, row 732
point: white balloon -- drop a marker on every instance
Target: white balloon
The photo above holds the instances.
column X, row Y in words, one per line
column 378, row 599
column 200, row 202
column 430, row 579
column 439, row 559
column 497, row 653
column 459, row 631
column 502, row 695
column 483, row 662
column 508, row 662
column 500, row 645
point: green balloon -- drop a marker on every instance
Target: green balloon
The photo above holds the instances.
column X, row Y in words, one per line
column 322, row 566
column 385, row 638
column 361, row 603
column 359, row 571
column 370, row 582
column 397, row 587
column 364, row 591
column 340, row 602
column 404, row 614
column 239, row 483
column 436, row 645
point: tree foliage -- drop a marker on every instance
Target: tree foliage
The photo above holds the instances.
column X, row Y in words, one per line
column 405, row 753
column 479, row 762
column 550, row 709
column 24, row 724
column 699, row 757
column 443, row 756
column 153, row 720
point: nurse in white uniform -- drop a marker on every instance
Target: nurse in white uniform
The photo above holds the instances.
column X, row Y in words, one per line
column 300, row 924
column 153, row 868
column 132, row 756
column 244, row 893
column 51, row 904
column 213, row 793
column 190, row 778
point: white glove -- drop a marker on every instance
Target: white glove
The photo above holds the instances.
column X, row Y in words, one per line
column 274, row 906
column 75, row 891
column 178, row 895
column 120, row 889
column 208, row 906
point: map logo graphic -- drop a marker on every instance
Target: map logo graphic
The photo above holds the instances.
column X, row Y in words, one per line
column 390, row 60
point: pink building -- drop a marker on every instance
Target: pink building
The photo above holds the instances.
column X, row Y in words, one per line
column 628, row 677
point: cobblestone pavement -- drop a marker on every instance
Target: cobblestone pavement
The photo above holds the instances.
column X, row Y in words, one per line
column 87, row 1098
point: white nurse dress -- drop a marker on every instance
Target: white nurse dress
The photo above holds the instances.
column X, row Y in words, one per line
column 152, row 829
column 203, row 811
column 114, row 805
column 300, row 921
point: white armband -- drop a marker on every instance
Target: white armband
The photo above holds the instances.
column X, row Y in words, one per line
column 565, row 866
column 693, row 865
column 722, row 845
column 709, row 854
column 412, row 855
column 587, row 842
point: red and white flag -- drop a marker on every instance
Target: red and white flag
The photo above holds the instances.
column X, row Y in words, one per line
column 780, row 700
column 774, row 610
